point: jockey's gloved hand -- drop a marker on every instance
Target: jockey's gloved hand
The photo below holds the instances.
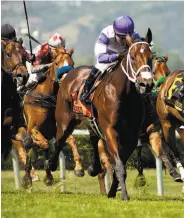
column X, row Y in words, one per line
column 32, row 58
column 120, row 57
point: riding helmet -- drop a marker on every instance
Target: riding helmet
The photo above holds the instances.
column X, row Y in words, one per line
column 123, row 25
column 8, row 32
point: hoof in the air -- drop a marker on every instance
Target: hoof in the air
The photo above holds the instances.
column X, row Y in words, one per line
column 79, row 173
column 92, row 172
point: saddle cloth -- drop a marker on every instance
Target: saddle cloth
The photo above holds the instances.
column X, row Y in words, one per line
column 78, row 106
column 174, row 98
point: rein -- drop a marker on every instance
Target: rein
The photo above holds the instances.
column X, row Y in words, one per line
column 129, row 63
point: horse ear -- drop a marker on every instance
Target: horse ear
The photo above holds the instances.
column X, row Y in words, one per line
column 71, row 51
column 165, row 58
column 129, row 40
column 148, row 37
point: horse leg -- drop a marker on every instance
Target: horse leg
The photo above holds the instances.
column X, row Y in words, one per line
column 18, row 145
column 170, row 138
column 178, row 164
column 61, row 137
column 38, row 138
column 103, row 157
column 101, row 181
column 24, row 137
column 95, row 168
column 119, row 176
column 79, row 170
column 27, row 180
column 156, row 144
column 48, row 179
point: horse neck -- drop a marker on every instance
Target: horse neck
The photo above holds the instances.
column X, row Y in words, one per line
column 48, row 86
column 120, row 80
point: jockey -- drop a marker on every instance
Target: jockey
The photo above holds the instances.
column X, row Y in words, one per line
column 8, row 33
column 110, row 47
column 44, row 57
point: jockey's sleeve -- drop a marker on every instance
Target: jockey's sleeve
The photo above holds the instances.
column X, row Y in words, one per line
column 101, row 50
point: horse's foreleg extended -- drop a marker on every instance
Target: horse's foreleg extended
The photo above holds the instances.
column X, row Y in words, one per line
column 79, row 170
column 24, row 137
column 38, row 138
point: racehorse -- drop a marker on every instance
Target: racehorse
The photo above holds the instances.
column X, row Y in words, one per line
column 171, row 118
column 12, row 67
column 117, row 106
column 151, row 132
column 39, row 110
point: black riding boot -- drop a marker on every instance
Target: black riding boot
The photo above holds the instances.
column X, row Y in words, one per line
column 88, row 85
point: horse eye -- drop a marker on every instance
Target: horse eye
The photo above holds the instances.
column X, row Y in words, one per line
column 133, row 56
column 8, row 54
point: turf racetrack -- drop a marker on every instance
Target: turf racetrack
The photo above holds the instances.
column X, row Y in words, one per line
column 82, row 199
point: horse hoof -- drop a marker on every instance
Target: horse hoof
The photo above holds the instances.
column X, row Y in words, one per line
column 177, row 177
column 27, row 182
column 140, row 181
column 126, row 198
column 111, row 194
column 79, row 173
column 92, row 172
column 48, row 180
column 50, row 165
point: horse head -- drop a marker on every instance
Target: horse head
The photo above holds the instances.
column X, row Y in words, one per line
column 13, row 60
column 63, row 61
column 161, row 70
column 138, row 63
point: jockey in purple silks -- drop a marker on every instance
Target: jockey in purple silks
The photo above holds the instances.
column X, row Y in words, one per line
column 110, row 47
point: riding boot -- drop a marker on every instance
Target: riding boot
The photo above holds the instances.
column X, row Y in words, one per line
column 88, row 85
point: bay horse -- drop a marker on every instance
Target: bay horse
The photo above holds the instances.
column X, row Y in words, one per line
column 170, row 118
column 12, row 67
column 39, row 109
column 117, row 106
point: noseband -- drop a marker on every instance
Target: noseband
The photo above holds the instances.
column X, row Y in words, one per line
column 129, row 63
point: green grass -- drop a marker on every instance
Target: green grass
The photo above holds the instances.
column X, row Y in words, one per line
column 82, row 199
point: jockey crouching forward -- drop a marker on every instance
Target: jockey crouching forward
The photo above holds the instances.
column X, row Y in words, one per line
column 110, row 47
column 44, row 58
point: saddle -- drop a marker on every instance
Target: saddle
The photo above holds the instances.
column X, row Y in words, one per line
column 86, row 110
column 174, row 97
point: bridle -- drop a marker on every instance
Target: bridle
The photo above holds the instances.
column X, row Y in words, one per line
column 10, row 68
column 129, row 63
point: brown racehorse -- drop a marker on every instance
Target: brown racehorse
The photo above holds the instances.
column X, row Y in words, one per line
column 11, row 67
column 117, row 105
column 39, row 110
column 170, row 118
column 151, row 129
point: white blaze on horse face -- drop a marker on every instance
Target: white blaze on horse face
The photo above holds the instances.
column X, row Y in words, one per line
column 146, row 75
column 142, row 50
column 65, row 63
